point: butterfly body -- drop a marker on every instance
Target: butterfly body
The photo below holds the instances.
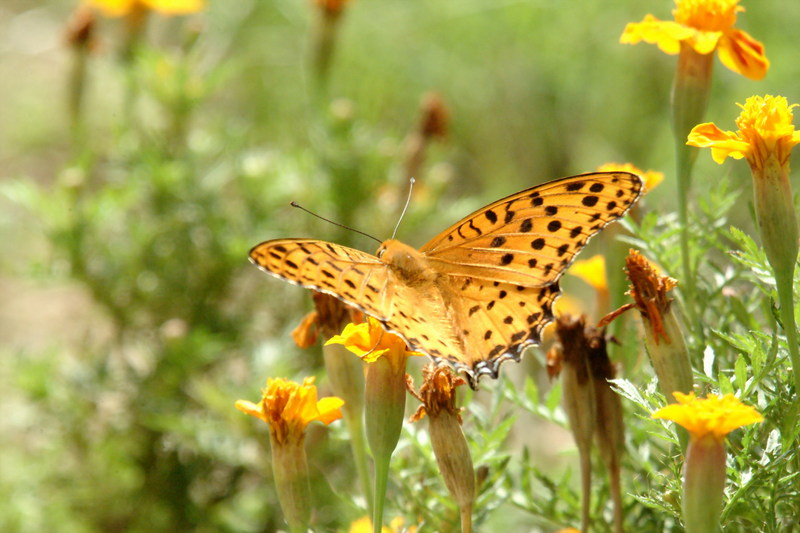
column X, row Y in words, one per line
column 481, row 291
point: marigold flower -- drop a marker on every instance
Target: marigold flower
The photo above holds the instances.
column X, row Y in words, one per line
column 438, row 397
column 766, row 134
column 289, row 407
column 663, row 335
column 593, row 409
column 713, row 416
column 121, row 8
column 765, row 138
column 704, row 25
column 708, row 421
column 652, row 178
column 364, row 525
column 370, row 341
column 592, row 271
column 384, row 394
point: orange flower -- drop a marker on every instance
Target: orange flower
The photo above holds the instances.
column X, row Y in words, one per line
column 385, row 392
column 765, row 131
column 705, row 25
column 370, row 341
column 765, row 138
column 121, row 8
column 289, row 407
column 651, row 177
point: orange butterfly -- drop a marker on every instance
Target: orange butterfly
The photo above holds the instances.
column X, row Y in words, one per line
column 479, row 292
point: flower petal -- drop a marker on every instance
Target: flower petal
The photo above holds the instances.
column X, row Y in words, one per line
column 722, row 143
column 704, row 42
column 742, row 54
column 252, row 409
column 667, row 35
column 329, row 409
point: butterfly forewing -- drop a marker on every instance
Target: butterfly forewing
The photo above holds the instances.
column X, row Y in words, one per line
column 531, row 237
column 357, row 278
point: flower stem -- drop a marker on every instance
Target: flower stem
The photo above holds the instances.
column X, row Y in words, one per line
column 381, row 481
column 785, row 285
column 346, row 373
column 690, row 93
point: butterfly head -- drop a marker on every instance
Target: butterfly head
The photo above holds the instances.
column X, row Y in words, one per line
column 405, row 261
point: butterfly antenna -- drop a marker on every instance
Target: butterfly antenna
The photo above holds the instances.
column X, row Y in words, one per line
column 405, row 207
column 298, row 206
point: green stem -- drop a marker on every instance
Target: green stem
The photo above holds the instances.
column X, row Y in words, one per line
column 690, row 93
column 785, row 285
column 684, row 160
column 355, row 423
column 381, row 481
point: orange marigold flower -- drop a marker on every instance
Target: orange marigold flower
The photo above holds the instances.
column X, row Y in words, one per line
column 765, row 131
column 705, row 25
column 289, row 407
column 651, row 177
column 121, row 8
column 714, row 416
column 370, row 341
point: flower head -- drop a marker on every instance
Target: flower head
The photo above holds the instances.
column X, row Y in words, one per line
column 289, row 407
column 592, row 271
column 714, row 416
column 765, row 131
column 651, row 177
column 369, row 341
column 121, row 8
column 705, row 26
column 364, row 525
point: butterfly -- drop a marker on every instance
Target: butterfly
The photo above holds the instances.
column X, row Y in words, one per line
column 483, row 289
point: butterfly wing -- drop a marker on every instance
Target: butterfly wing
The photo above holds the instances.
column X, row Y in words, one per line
column 500, row 265
column 357, row 278
column 531, row 237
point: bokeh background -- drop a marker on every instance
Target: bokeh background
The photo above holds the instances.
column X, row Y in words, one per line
column 130, row 320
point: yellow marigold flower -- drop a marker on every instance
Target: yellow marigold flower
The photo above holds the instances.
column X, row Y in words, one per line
column 651, row 177
column 705, row 25
column 384, row 394
column 592, row 271
column 369, row 341
column 714, row 416
column 765, row 132
column 765, row 138
column 289, row 407
column 364, row 525
column 121, row 8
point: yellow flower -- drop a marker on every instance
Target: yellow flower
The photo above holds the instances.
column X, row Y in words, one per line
column 592, row 271
column 364, row 525
column 705, row 25
column 121, row 8
column 289, row 407
column 369, row 341
column 713, row 416
column 765, row 131
column 651, row 177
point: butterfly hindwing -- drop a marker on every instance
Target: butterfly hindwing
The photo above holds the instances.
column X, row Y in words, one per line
column 499, row 320
column 357, row 278
column 532, row 236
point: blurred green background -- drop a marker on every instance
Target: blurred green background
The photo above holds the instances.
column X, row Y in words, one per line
column 130, row 320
